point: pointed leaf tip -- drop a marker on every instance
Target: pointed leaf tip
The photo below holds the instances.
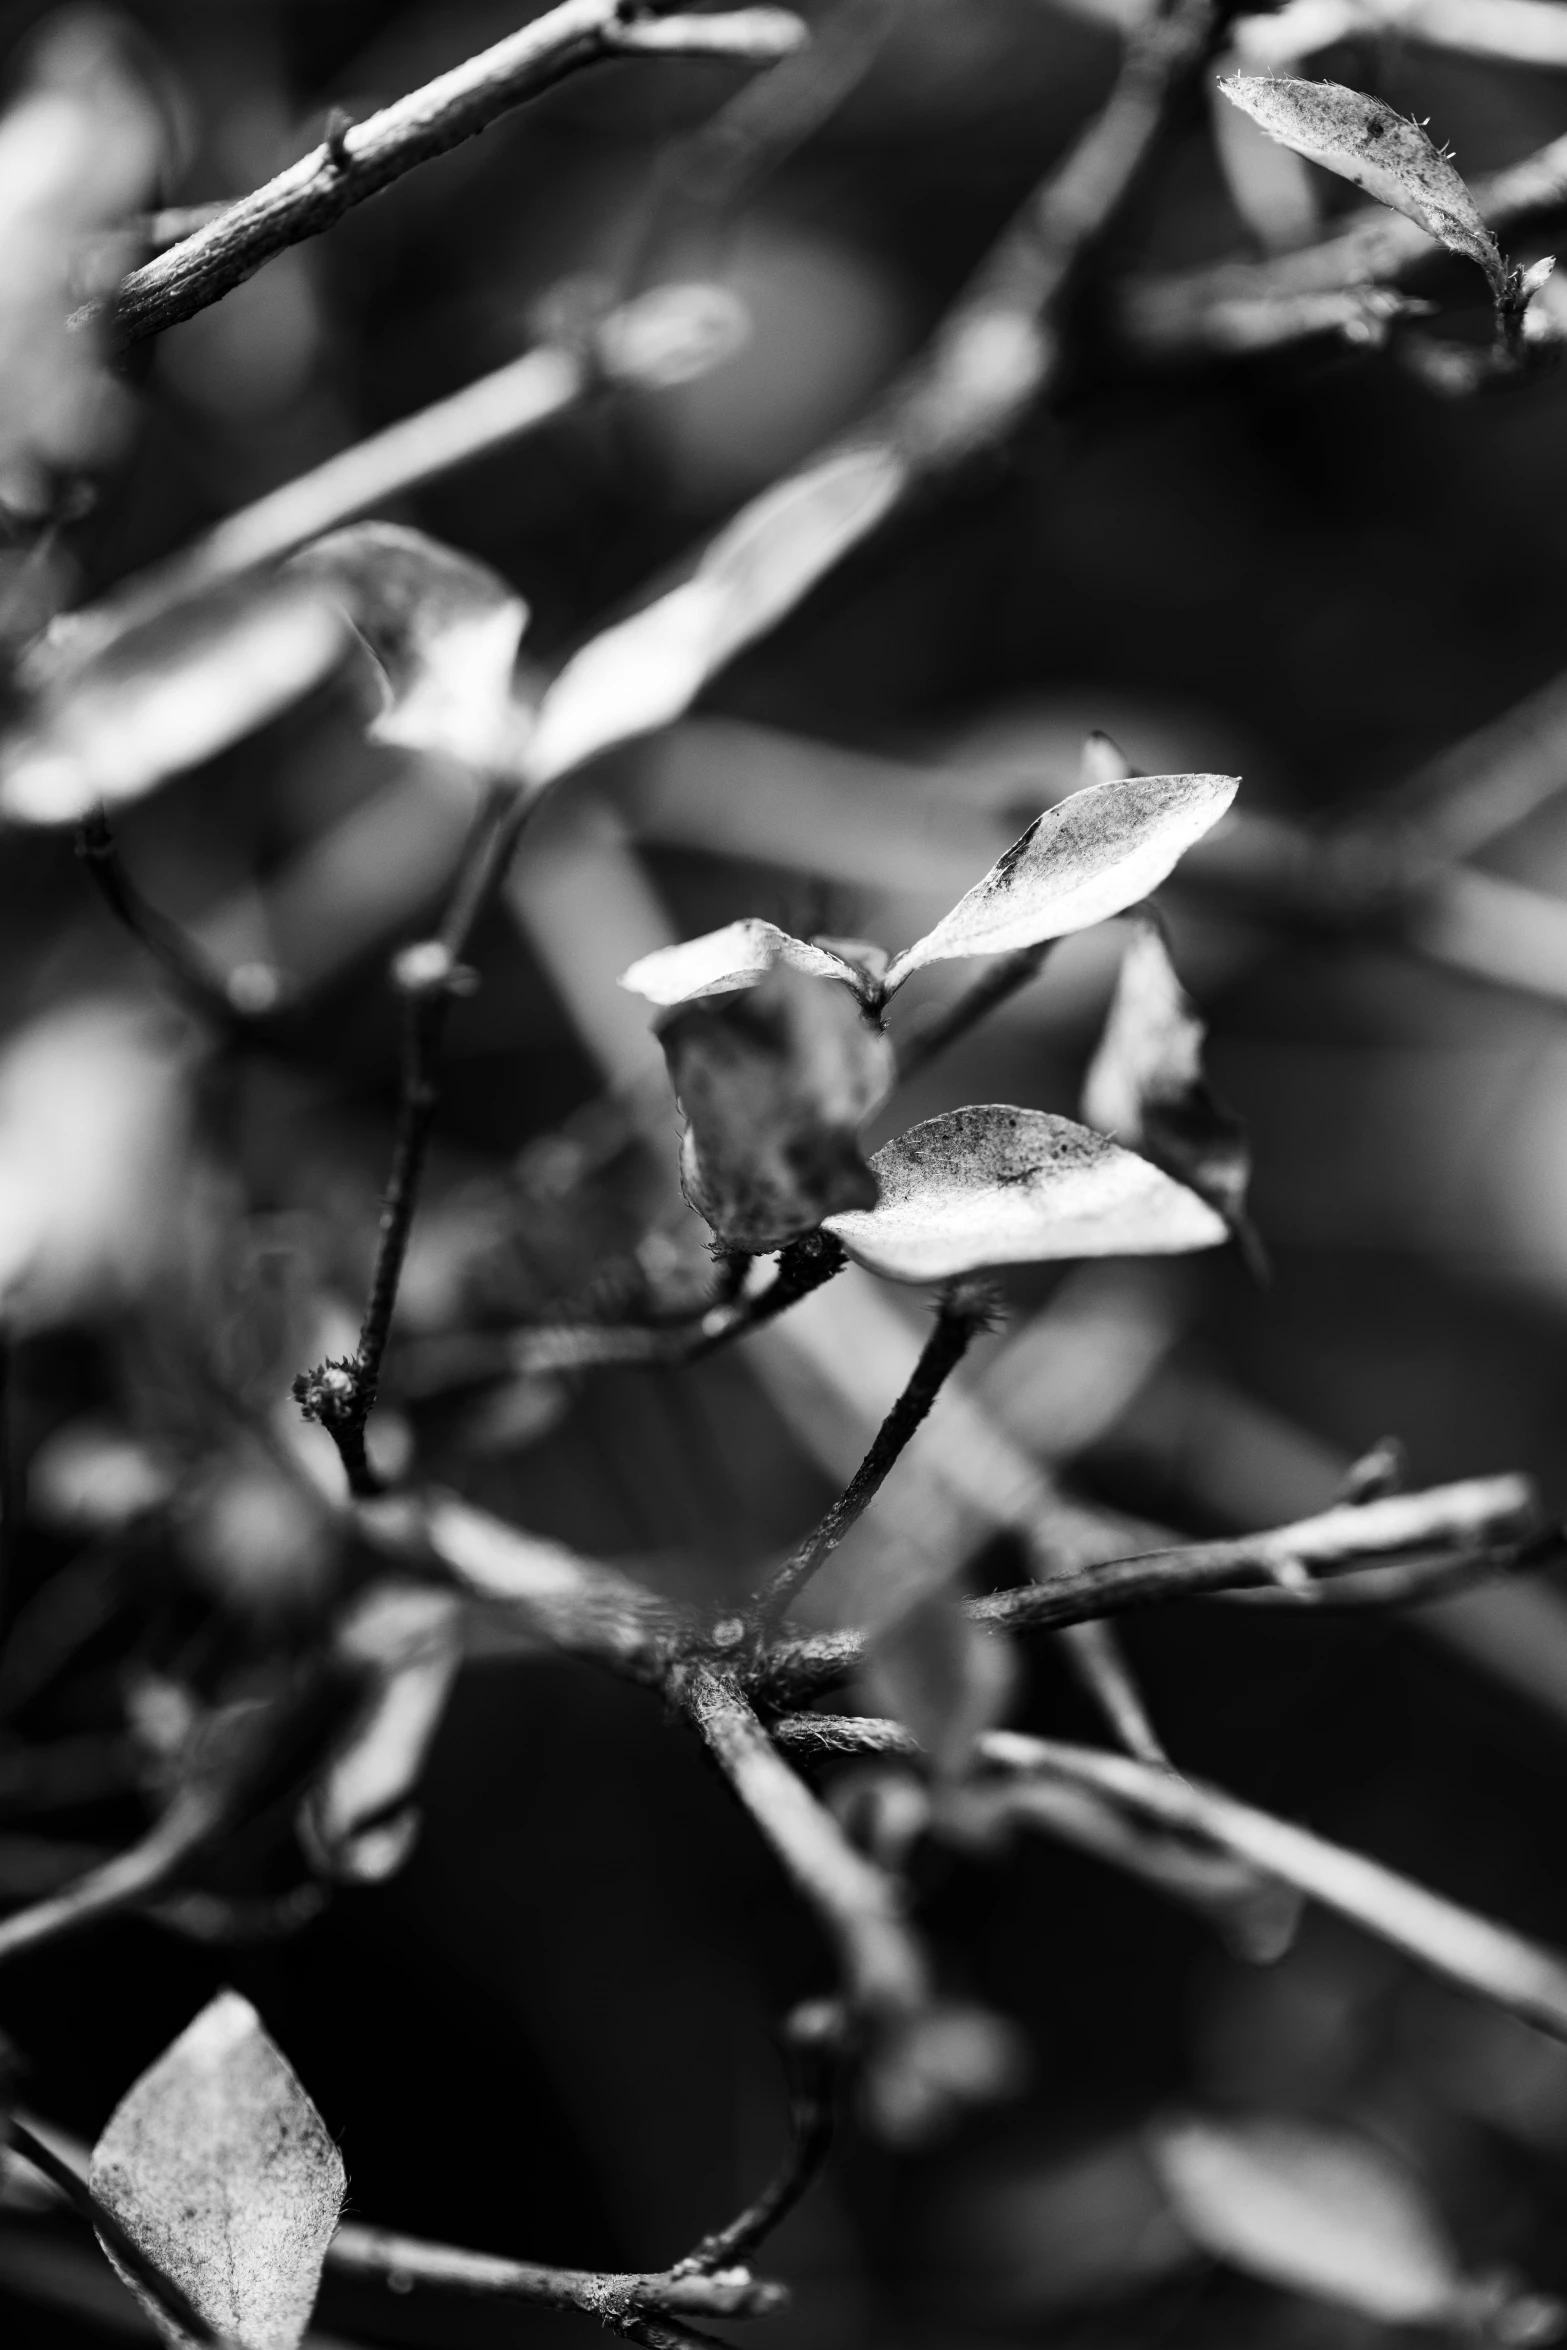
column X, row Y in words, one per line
column 1091, row 856
column 993, row 1185
column 737, row 956
column 220, row 2170
column 1365, row 142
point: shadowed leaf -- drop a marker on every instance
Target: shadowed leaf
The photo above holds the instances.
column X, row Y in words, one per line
column 1317, row 2209
column 443, row 631
column 943, row 1676
column 358, row 1821
column 1090, row 856
column 1366, row 142
column 1145, row 1084
column 997, row 1186
column 775, row 1084
column 220, row 2170
column 736, row 956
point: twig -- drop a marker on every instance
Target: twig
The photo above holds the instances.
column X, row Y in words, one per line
column 883, row 1966
column 117, row 1884
column 605, row 2294
column 129, row 2254
column 1485, row 1526
column 963, row 1312
column 1501, row 1966
column 315, row 192
column 813, row 2039
column 197, row 981
column 1095, row 1655
column 802, row 1267
column 942, row 1027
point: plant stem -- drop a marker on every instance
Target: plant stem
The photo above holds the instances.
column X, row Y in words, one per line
column 996, row 985
column 963, row 1311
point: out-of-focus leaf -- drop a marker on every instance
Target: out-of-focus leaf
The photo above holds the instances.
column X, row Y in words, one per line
column 109, row 724
column 1366, row 142
column 358, row 1821
column 943, row 1676
column 1092, row 855
column 220, row 2170
column 1317, row 2209
column 90, row 1477
column 92, row 1160
column 1034, row 2238
column 923, row 2074
column 992, row 1185
column 253, row 1536
column 644, row 672
column 81, row 146
column 1145, row 1084
column 443, row 631
column 775, row 1084
column 736, row 956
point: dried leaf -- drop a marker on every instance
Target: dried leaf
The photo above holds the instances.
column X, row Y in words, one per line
column 111, row 723
column 1316, row 2209
column 1092, row 855
column 358, row 1822
column 997, row 1186
column 1145, row 1084
column 443, row 631
column 220, row 2170
column 775, row 1084
column 736, row 956
column 943, row 1676
column 81, row 149
column 647, row 670
column 1366, row 142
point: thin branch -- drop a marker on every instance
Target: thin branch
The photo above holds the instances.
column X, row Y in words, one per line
column 200, row 983
column 121, row 1883
column 963, row 1313
column 942, row 1027
column 884, row 1968
column 127, row 2252
column 1095, row 1654
column 315, row 193
column 607, row 2295
column 813, row 2041
column 802, row 1267
column 1486, row 1526
column 1515, row 1974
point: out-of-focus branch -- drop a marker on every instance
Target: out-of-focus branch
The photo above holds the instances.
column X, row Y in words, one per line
column 315, row 192
column 962, row 1315
column 813, row 2037
column 120, row 1883
column 1252, row 305
column 803, row 1266
column 199, row 983
column 996, row 985
column 409, row 2261
column 883, row 1966
column 1501, row 1966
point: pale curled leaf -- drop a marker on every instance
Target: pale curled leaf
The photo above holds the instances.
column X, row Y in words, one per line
column 991, row 1185
column 442, row 629
column 775, row 1083
column 357, row 1820
column 736, row 956
column 1366, row 142
column 923, row 2071
column 1316, row 2209
column 1146, row 1087
column 645, row 671
column 114, row 722
column 1091, row 856
column 219, row 2168
column 943, row 1677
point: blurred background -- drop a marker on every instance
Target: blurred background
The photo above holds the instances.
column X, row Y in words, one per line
column 549, row 2034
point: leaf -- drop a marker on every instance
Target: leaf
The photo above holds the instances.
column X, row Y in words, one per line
column 442, row 629
column 924, row 2071
column 1092, row 855
column 1367, row 143
column 645, row 671
column 775, row 1084
column 81, row 150
column 220, row 2170
column 736, row 956
column 997, row 1186
column 943, row 1676
column 165, row 695
column 1145, row 1084
column 1316, row 2209
column 357, row 1822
